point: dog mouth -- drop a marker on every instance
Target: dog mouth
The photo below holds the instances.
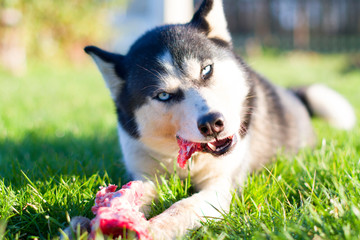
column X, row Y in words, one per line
column 216, row 148
column 219, row 146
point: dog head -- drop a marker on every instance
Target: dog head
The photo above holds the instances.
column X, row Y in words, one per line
column 180, row 81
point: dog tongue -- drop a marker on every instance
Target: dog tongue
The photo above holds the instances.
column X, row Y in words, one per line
column 187, row 149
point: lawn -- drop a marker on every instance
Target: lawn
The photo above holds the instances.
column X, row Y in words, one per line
column 58, row 144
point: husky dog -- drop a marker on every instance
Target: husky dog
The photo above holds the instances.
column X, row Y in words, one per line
column 185, row 81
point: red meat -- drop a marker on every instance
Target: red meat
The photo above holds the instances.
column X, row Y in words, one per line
column 117, row 212
column 187, row 149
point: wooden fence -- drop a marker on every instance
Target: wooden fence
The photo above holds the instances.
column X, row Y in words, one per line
column 320, row 25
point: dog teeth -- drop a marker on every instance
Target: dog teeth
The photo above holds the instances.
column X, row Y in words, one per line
column 221, row 148
column 212, row 146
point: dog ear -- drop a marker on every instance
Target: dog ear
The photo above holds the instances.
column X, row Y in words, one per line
column 111, row 66
column 210, row 18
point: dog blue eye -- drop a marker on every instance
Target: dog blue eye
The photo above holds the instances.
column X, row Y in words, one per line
column 206, row 72
column 164, row 96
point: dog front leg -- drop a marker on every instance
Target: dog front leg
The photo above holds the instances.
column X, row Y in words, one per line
column 188, row 213
column 149, row 194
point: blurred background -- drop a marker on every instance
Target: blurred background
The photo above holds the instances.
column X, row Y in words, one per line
column 311, row 25
column 58, row 30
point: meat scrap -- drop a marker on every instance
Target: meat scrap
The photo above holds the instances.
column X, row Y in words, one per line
column 187, row 149
column 117, row 212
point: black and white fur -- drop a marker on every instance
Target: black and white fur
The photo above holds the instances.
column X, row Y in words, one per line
column 164, row 88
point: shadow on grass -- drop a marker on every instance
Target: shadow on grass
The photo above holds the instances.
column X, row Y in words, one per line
column 41, row 158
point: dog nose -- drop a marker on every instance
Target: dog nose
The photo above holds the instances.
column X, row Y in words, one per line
column 211, row 124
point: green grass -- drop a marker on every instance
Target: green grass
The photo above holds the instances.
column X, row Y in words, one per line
column 58, row 144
